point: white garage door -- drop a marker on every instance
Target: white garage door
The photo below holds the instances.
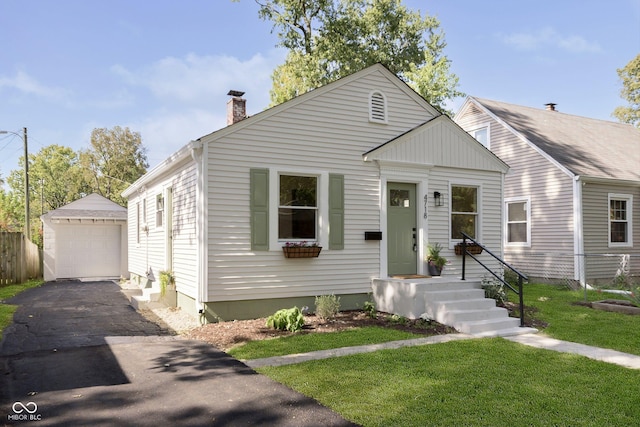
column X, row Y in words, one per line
column 85, row 251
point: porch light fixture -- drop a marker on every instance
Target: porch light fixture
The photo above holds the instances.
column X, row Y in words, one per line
column 437, row 198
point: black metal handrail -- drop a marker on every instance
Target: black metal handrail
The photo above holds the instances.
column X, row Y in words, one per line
column 521, row 277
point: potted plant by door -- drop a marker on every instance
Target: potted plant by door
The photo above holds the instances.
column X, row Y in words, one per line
column 435, row 261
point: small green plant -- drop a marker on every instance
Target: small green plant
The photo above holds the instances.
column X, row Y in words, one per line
column 370, row 309
column 166, row 278
column 287, row 319
column 434, row 257
column 399, row 320
column 327, row 306
column 495, row 290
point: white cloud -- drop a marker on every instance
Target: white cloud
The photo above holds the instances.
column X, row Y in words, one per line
column 198, row 79
column 189, row 96
column 23, row 82
column 548, row 37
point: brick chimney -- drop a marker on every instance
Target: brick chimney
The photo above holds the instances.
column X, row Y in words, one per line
column 236, row 107
column 551, row 106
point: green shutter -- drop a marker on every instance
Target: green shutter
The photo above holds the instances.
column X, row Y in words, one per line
column 259, row 193
column 336, row 211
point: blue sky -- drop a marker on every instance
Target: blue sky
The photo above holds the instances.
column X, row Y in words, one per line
column 163, row 68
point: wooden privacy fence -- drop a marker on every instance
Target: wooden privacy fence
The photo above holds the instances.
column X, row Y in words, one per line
column 20, row 259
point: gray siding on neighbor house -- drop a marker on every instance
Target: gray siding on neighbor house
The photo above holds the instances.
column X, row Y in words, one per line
column 550, row 191
column 602, row 261
column 327, row 133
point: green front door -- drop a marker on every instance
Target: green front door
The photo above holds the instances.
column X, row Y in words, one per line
column 401, row 228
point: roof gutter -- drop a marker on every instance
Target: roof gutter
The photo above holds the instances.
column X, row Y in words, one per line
column 180, row 155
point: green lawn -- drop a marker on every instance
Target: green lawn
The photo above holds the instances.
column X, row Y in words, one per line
column 572, row 322
column 481, row 382
column 8, row 291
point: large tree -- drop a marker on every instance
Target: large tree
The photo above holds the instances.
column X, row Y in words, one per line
column 630, row 77
column 329, row 39
column 115, row 160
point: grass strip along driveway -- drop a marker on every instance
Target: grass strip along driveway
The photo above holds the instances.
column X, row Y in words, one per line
column 8, row 291
column 490, row 382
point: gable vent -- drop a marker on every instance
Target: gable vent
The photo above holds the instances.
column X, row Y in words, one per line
column 377, row 107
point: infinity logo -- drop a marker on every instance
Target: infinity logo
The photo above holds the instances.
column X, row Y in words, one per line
column 19, row 407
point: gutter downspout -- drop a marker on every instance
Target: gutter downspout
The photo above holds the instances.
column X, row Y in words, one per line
column 199, row 155
column 579, row 260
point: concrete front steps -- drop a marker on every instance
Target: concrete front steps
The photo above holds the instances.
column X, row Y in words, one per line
column 142, row 298
column 460, row 304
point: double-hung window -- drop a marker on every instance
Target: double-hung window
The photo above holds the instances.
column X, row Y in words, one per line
column 298, row 207
column 464, row 211
column 620, row 225
column 159, row 210
column 518, row 217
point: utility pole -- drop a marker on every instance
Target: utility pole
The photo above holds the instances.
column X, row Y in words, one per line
column 27, row 220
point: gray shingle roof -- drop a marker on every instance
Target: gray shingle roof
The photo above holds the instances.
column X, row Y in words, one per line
column 587, row 147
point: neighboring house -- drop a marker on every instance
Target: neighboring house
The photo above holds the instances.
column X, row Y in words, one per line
column 572, row 195
column 352, row 166
column 86, row 239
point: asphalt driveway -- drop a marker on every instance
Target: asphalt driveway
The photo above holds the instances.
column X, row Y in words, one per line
column 79, row 354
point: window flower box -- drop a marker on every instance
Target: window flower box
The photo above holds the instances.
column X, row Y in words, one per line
column 472, row 248
column 301, row 250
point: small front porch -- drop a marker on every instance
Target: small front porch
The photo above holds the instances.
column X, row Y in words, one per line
column 449, row 300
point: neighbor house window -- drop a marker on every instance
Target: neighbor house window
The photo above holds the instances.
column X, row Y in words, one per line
column 464, row 211
column 518, row 218
column 298, row 207
column 377, row 107
column 159, row 210
column 481, row 134
column 620, row 226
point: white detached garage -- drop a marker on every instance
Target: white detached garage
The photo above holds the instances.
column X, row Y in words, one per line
column 86, row 239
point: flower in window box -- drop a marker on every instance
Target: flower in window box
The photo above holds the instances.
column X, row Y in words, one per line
column 301, row 249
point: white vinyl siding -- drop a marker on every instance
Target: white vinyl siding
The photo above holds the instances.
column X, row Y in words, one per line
column 151, row 251
column 550, row 253
column 327, row 133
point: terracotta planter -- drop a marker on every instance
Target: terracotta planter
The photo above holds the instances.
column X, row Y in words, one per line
column 472, row 248
column 616, row 305
column 301, row 252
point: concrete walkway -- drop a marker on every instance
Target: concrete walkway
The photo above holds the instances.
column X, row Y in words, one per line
column 534, row 340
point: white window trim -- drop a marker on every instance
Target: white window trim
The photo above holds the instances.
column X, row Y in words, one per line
column 372, row 117
column 527, row 201
column 476, row 128
column 159, row 211
column 453, row 242
column 629, row 199
column 322, row 199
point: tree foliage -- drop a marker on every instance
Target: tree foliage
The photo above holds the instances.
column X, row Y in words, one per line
column 630, row 77
column 58, row 175
column 115, row 160
column 330, row 39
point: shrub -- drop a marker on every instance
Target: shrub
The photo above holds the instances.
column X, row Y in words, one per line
column 370, row 309
column 494, row 289
column 327, row 306
column 287, row 319
column 166, row 278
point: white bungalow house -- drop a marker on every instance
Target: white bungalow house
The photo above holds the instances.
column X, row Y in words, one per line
column 572, row 195
column 363, row 167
